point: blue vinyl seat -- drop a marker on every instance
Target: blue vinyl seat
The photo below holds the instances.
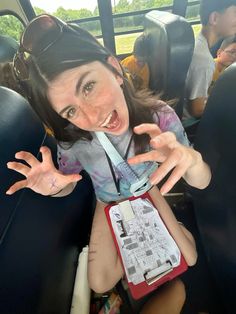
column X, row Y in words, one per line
column 170, row 43
column 8, row 47
column 215, row 207
column 40, row 236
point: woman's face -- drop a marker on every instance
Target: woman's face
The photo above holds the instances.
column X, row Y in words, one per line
column 228, row 55
column 90, row 96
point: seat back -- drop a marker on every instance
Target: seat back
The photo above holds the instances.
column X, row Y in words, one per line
column 8, row 47
column 215, row 207
column 40, row 236
column 170, row 43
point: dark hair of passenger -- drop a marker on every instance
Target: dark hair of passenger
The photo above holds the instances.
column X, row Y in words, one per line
column 140, row 46
column 77, row 51
column 209, row 6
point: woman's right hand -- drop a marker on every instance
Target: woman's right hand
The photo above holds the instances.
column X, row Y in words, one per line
column 41, row 177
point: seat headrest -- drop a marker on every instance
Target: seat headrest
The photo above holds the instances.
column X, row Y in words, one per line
column 8, row 47
column 170, row 43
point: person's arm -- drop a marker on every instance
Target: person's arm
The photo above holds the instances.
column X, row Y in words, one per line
column 197, row 106
column 41, row 177
column 198, row 81
column 199, row 174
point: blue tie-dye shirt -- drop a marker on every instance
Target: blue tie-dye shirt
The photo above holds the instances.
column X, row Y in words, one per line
column 90, row 156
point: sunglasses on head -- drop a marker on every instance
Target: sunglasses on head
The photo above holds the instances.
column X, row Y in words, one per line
column 40, row 34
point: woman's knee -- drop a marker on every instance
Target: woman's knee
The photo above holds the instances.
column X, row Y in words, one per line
column 98, row 283
column 179, row 290
column 102, row 281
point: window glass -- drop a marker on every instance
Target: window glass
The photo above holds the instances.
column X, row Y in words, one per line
column 124, row 43
column 11, row 26
column 67, row 10
column 72, row 10
column 192, row 12
column 122, row 6
column 192, row 15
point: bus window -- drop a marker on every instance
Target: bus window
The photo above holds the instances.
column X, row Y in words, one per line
column 11, row 26
column 192, row 15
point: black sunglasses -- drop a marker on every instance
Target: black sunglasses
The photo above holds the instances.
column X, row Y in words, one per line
column 36, row 39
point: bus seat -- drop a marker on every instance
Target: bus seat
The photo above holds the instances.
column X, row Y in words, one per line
column 40, row 236
column 170, row 43
column 8, row 47
column 215, row 207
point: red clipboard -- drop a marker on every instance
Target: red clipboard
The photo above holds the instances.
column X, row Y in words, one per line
column 141, row 289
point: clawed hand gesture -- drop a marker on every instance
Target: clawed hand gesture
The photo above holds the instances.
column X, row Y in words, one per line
column 41, row 177
column 172, row 155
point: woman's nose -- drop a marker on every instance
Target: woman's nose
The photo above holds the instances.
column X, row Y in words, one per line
column 91, row 113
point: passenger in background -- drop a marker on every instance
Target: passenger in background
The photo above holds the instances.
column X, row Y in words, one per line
column 218, row 20
column 8, row 79
column 226, row 55
column 137, row 66
column 8, row 48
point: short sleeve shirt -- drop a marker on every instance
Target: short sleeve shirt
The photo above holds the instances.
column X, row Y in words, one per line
column 200, row 73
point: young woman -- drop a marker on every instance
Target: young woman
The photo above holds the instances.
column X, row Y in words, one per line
column 79, row 88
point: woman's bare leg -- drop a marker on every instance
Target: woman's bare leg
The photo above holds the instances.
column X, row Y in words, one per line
column 104, row 266
column 168, row 300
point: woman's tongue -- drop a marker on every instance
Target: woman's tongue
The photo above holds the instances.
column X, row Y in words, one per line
column 114, row 121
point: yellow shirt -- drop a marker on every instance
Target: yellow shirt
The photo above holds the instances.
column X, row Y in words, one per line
column 140, row 75
column 216, row 73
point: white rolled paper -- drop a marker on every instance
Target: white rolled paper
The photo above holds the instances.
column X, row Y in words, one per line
column 82, row 292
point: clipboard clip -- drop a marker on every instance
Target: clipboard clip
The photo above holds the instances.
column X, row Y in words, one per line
column 158, row 272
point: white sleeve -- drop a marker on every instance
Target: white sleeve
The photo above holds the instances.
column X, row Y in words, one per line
column 198, row 83
column 198, row 80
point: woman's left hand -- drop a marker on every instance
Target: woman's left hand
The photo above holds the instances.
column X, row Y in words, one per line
column 181, row 160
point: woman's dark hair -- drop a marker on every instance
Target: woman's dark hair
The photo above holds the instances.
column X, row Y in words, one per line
column 79, row 50
column 140, row 46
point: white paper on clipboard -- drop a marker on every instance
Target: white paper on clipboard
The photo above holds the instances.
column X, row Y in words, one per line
column 144, row 242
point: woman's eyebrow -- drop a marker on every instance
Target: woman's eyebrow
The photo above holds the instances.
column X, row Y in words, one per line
column 80, row 81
